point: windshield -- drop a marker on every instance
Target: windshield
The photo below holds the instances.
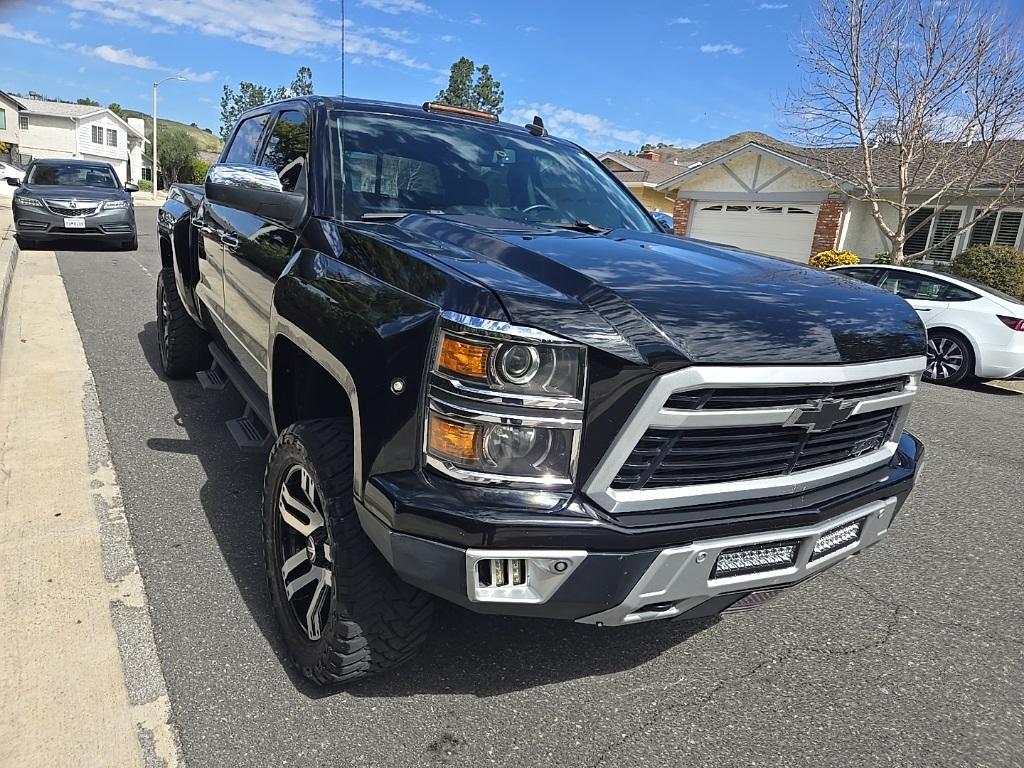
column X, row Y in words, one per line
column 57, row 175
column 396, row 165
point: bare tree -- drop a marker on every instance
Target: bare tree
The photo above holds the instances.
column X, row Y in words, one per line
column 913, row 105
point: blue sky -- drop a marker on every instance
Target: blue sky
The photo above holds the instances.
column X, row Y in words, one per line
column 606, row 74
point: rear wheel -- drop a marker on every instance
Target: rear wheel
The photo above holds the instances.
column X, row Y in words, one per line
column 950, row 358
column 184, row 346
column 343, row 612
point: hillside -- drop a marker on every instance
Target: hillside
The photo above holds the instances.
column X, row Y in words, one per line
column 713, row 149
column 208, row 142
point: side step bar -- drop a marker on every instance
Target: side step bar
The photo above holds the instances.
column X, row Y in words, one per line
column 251, row 431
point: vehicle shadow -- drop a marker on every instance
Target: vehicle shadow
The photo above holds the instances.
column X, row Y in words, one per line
column 465, row 653
column 90, row 245
column 991, row 388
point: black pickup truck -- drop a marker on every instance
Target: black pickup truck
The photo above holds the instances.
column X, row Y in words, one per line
column 488, row 376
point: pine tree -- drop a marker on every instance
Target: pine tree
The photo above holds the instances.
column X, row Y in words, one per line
column 487, row 92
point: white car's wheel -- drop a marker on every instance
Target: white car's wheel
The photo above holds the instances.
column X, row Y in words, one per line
column 950, row 358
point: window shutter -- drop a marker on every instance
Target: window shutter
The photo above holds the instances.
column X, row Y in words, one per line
column 918, row 241
column 981, row 232
column 947, row 223
column 1009, row 228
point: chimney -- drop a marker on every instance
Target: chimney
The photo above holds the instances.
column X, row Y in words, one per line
column 648, row 154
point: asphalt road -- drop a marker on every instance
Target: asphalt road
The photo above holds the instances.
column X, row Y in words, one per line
column 910, row 655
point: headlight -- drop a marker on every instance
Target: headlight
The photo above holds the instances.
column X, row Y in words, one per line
column 28, row 202
column 505, row 403
column 110, row 205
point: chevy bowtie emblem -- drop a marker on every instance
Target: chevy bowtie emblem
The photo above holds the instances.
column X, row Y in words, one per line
column 821, row 415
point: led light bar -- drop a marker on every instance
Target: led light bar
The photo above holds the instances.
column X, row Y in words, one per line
column 764, row 557
column 837, row 538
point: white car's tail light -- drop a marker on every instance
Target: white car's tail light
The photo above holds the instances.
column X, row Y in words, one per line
column 1013, row 323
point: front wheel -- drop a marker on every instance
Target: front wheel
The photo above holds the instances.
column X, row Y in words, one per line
column 184, row 347
column 950, row 359
column 344, row 613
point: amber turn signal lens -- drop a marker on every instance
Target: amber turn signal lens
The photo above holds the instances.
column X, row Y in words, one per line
column 463, row 358
column 452, row 440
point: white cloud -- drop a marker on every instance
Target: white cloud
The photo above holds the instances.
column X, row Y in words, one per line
column 395, row 35
column 721, row 48
column 773, row 6
column 395, row 7
column 592, row 131
column 197, row 77
column 282, row 26
column 527, row 30
column 448, row 38
column 6, row 30
column 682, row 20
column 121, row 56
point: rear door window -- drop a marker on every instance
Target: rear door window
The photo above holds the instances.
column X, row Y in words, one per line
column 867, row 274
column 909, row 285
column 246, row 142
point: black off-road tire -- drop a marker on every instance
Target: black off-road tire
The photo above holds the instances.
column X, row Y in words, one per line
column 184, row 346
column 374, row 620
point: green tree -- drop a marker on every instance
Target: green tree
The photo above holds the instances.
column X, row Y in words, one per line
column 117, row 109
column 250, row 95
column 88, row 102
column 487, row 92
column 302, row 85
column 178, row 155
column 483, row 94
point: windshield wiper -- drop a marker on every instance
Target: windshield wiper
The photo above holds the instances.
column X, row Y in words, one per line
column 395, row 215
column 578, row 226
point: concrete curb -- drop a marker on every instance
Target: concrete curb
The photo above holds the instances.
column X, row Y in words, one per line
column 8, row 261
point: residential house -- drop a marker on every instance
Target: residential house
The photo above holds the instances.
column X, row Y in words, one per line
column 10, row 108
column 47, row 129
column 757, row 193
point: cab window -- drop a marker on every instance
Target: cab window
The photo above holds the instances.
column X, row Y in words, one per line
column 246, row 142
column 288, row 149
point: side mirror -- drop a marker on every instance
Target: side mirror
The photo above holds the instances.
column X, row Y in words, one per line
column 129, row 187
column 664, row 222
column 254, row 189
column 12, row 182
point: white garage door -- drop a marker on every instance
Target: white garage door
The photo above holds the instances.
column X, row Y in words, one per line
column 778, row 229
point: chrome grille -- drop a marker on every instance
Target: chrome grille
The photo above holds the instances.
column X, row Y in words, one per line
column 61, row 208
column 668, row 458
column 717, row 434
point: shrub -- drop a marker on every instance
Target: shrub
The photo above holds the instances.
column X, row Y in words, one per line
column 999, row 266
column 884, row 257
column 834, row 258
column 199, row 171
column 145, row 185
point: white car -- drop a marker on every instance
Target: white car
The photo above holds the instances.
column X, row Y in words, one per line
column 8, row 171
column 972, row 329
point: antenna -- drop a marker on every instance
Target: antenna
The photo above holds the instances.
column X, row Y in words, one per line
column 341, row 138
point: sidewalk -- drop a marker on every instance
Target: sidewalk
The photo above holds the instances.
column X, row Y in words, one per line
column 80, row 683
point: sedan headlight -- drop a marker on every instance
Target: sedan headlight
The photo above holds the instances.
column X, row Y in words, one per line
column 110, row 205
column 505, row 403
column 27, row 202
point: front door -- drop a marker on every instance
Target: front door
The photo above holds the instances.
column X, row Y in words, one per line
column 261, row 247
column 923, row 292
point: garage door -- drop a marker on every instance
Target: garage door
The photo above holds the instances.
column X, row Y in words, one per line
column 780, row 229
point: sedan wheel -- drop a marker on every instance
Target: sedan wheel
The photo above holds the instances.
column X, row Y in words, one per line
column 949, row 359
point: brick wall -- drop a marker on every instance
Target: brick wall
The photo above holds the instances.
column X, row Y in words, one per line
column 681, row 216
column 826, row 232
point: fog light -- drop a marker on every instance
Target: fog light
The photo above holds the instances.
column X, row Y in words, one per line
column 518, row 576
column 837, row 539
column 764, row 557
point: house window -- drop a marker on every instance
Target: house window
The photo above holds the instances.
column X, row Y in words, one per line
column 147, row 173
column 97, row 134
column 925, row 230
column 3, row 120
column 111, row 137
column 23, row 122
column 1001, row 228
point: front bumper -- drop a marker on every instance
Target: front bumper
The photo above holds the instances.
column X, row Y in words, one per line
column 611, row 584
column 41, row 224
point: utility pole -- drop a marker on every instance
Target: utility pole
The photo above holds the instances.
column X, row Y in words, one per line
column 156, row 162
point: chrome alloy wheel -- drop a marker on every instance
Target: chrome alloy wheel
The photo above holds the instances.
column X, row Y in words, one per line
column 304, row 549
column 945, row 358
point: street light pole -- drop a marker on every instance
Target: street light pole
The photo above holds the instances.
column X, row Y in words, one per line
column 156, row 162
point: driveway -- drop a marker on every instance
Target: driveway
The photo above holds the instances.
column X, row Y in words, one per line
column 909, row 655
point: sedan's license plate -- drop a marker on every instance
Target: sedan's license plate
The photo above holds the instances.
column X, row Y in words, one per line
column 76, row 223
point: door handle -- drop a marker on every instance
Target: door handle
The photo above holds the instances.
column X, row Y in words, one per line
column 924, row 309
column 199, row 223
column 229, row 240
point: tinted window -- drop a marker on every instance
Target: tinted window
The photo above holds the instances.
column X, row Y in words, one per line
column 912, row 286
column 409, row 164
column 956, row 293
column 247, row 141
column 54, row 175
column 867, row 274
column 287, row 150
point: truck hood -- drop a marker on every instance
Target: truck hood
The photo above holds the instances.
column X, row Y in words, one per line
column 645, row 297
